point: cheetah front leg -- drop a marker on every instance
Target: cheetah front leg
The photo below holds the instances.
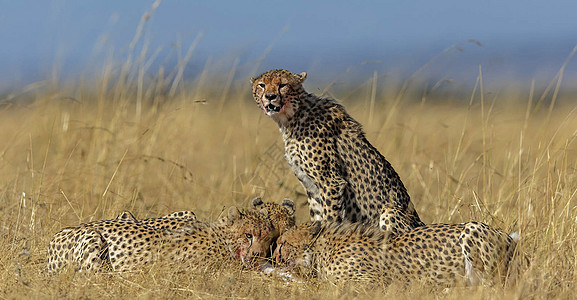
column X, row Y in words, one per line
column 333, row 208
column 394, row 221
column 324, row 186
column 327, row 204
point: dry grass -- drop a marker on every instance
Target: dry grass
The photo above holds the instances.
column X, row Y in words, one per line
column 73, row 155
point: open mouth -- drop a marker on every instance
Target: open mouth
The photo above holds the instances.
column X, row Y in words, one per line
column 287, row 264
column 268, row 266
column 272, row 108
column 247, row 262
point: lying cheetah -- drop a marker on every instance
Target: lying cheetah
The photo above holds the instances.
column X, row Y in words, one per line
column 439, row 254
column 125, row 243
column 344, row 176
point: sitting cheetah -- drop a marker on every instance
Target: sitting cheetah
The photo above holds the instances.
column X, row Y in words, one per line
column 125, row 243
column 344, row 176
column 439, row 254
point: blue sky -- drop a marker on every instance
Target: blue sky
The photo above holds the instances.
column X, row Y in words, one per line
column 522, row 39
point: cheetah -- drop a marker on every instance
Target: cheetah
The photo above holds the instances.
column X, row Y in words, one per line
column 344, row 176
column 440, row 254
column 124, row 244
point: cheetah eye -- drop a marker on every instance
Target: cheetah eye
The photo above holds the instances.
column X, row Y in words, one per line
column 262, row 85
column 248, row 236
column 280, row 86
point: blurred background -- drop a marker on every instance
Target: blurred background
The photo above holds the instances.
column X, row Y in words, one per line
column 514, row 42
column 145, row 106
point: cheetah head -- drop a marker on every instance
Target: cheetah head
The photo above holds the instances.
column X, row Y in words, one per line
column 294, row 247
column 282, row 215
column 276, row 93
column 249, row 234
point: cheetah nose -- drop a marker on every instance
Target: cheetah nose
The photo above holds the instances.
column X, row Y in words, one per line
column 270, row 96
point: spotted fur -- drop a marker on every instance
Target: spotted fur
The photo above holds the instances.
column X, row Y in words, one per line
column 125, row 243
column 282, row 215
column 440, row 254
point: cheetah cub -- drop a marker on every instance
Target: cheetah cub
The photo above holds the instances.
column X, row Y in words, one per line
column 344, row 176
column 439, row 254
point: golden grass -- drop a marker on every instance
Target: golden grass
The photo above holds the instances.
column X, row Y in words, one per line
column 74, row 155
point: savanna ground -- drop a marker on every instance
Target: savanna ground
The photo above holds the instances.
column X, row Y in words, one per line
column 78, row 153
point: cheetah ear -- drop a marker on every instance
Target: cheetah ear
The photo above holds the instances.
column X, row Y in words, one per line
column 289, row 205
column 126, row 216
column 256, row 202
column 233, row 214
column 252, row 80
column 302, row 76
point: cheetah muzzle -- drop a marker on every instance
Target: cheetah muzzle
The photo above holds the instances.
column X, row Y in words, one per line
column 272, row 108
column 275, row 104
